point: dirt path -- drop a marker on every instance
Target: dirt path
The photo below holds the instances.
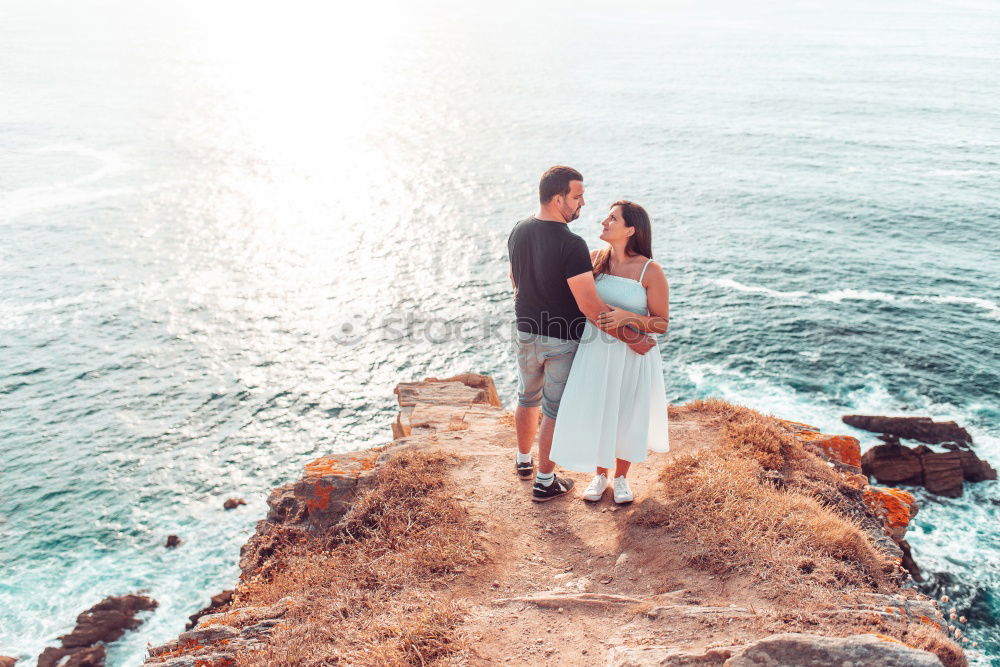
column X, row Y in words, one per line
column 563, row 587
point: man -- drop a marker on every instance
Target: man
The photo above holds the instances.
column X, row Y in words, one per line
column 554, row 296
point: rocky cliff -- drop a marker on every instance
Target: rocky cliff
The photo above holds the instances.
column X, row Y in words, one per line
column 754, row 541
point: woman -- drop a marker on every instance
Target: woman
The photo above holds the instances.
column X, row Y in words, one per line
column 614, row 406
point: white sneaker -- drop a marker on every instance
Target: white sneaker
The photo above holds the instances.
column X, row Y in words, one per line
column 623, row 494
column 596, row 488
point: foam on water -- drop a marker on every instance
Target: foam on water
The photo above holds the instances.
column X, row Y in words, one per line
column 836, row 296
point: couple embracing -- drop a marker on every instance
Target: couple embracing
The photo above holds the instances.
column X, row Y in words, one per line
column 585, row 352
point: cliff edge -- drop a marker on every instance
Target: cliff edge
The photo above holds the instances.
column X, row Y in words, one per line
column 754, row 541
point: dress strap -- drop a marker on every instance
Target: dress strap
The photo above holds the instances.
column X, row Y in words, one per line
column 644, row 270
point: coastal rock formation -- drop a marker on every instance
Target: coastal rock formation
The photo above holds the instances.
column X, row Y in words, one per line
column 942, row 473
column 889, row 510
column 173, row 541
column 103, row 623
column 893, row 464
column 315, row 503
column 896, row 508
column 909, row 564
column 436, row 404
column 428, row 549
column 311, row 505
column 783, row 650
column 922, row 429
column 214, row 606
column 804, row 649
column 6, row 661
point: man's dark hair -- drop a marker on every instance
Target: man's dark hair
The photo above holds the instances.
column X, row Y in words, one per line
column 556, row 181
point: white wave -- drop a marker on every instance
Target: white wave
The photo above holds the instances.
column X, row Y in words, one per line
column 961, row 173
column 985, row 304
column 850, row 294
column 839, row 295
column 70, row 192
column 728, row 282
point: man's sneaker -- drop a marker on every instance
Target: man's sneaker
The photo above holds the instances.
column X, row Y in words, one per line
column 559, row 487
column 596, row 488
column 623, row 494
column 525, row 470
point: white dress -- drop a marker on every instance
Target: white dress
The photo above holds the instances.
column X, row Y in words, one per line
column 614, row 405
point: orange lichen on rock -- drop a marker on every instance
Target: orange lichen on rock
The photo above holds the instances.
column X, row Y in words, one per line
column 843, row 448
column 340, row 465
column 320, row 498
column 895, row 506
column 332, row 479
column 324, row 466
column 887, row 638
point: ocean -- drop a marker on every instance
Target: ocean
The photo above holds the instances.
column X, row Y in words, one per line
column 227, row 230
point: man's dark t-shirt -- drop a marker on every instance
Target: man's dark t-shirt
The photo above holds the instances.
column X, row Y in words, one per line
column 543, row 254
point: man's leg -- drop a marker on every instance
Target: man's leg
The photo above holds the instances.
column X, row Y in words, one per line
column 558, row 361
column 545, row 464
column 526, row 424
column 548, row 485
column 531, row 378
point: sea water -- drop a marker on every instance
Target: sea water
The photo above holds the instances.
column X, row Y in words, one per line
column 227, row 230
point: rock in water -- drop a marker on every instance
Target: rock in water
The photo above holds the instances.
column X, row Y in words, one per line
column 975, row 469
column 105, row 622
column 172, row 541
column 92, row 656
column 941, row 472
column 6, row 661
column 923, row 429
column 233, row 503
column 893, row 464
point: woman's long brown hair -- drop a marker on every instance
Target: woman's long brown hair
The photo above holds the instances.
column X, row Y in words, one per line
column 640, row 243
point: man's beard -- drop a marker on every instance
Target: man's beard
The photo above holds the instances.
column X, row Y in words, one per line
column 574, row 216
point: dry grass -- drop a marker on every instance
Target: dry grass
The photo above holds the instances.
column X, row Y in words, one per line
column 763, row 508
column 750, row 434
column 929, row 639
column 377, row 594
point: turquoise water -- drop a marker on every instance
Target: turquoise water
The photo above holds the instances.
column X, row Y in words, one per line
column 227, row 232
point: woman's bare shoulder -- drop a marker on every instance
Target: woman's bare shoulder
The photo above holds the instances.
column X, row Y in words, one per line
column 653, row 272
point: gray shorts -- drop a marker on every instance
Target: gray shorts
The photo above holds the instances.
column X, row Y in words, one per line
column 543, row 365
